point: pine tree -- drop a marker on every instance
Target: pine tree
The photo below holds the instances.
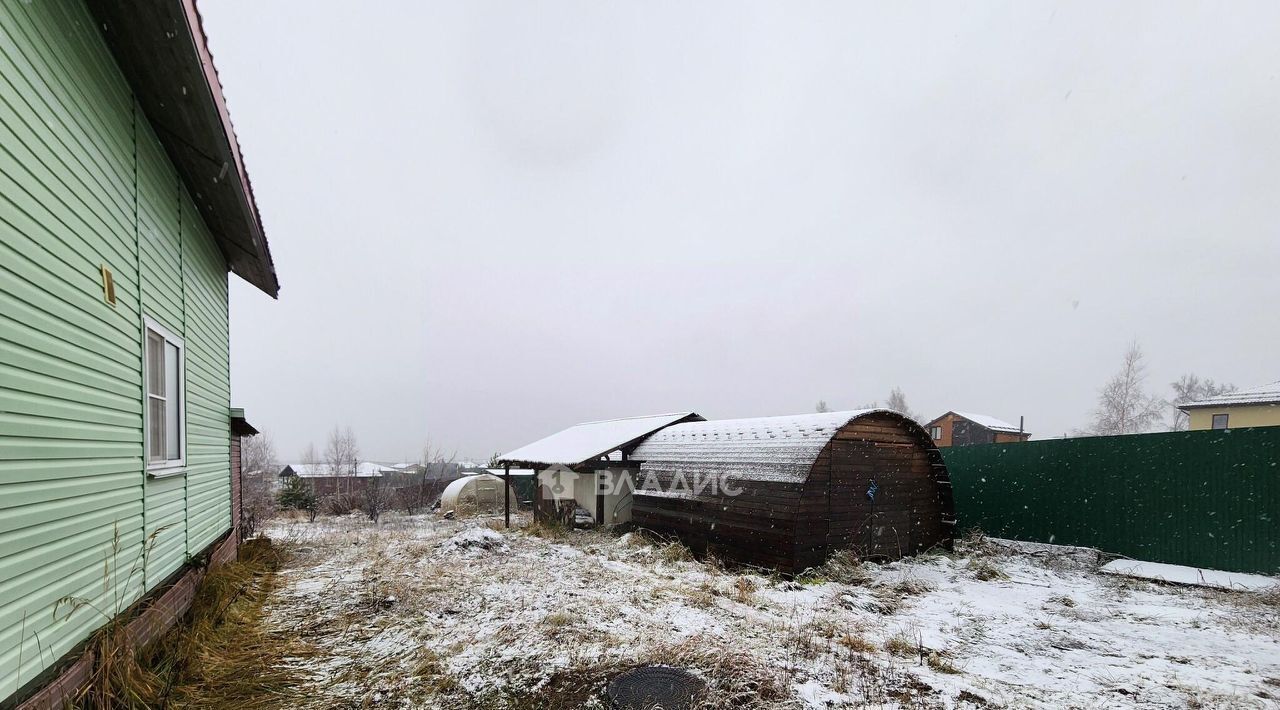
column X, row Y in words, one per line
column 297, row 495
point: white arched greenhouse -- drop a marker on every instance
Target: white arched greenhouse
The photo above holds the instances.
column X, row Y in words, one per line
column 480, row 493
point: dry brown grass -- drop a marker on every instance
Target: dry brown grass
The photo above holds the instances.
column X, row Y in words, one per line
column 856, row 642
column 219, row 656
column 432, row 676
column 901, row 644
column 735, row 679
column 1269, row 598
column 558, row 622
column 744, row 590
column 547, row 530
column 908, row 585
column 704, row 595
column 941, row 663
column 674, row 552
column 225, row 657
column 986, row 570
column 842, row 567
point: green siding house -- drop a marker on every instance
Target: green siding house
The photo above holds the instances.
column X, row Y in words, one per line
column 124, row 204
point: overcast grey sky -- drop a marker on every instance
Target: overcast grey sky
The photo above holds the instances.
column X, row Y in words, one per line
column 494, row 220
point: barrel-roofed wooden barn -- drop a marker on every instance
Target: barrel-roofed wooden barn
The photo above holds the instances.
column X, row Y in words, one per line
column 786, row 492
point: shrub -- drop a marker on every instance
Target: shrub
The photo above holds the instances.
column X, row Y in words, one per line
column 343, row 503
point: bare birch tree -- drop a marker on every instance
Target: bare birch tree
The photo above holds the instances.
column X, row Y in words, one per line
column 426, row 481
column 1124, row 407
column 898, row 403
column 1190, row 388
column 342, row 455
column 379, row 495
column 821, row 407
column 259, row 467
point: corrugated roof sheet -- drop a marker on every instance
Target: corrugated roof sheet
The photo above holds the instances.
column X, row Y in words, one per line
column 1262, row 394
column 591, row 440
column 765, row 448
column 498, row 472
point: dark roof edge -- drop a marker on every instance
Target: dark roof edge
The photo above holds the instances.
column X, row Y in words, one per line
column 688, row 417
column 163, row 52
column 271, row 284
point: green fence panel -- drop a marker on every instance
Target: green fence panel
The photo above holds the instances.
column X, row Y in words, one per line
column 1201, row 498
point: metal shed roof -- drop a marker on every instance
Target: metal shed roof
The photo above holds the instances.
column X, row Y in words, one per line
column 779, row 448
column 589, row 441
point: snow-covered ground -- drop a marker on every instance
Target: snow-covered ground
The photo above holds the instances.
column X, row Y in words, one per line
column 423, row 612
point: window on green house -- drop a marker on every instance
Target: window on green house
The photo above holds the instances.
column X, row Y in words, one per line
column 166, row 395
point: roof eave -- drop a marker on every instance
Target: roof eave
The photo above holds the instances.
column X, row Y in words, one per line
column 161, row 48
column 1220, row 405
column 688, row 417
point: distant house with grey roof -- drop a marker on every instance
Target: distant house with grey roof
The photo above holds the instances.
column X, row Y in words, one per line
column 1257, row 406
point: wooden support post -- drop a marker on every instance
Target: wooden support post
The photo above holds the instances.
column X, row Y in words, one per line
column 506, row 493
column 599, row 498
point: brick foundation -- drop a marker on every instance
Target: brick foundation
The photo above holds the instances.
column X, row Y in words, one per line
column 159, row 615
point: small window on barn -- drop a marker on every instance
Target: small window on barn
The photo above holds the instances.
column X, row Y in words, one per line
column 166, row 400
column 935, row 432
column 1219, row 421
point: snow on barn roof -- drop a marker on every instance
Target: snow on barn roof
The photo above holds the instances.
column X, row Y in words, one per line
column 1262, row 394
column 986, row 421
column 779, row 448
column 591, row 440
column 991, row 422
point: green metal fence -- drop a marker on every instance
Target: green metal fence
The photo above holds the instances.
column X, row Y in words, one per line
column 1201, row 498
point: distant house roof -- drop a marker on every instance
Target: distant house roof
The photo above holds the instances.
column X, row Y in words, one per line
column 988, row 422
column 775, row 448
column 1262, row 394
column 365, row 469
column 589, row 441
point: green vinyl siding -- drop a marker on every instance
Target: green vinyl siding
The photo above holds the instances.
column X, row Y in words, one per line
column 208, row 387
column 160, row 260
column 84, row 182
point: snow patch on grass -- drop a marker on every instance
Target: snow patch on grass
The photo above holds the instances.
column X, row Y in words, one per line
column 421, row 612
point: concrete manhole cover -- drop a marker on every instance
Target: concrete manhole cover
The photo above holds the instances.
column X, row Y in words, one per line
column 650, row 687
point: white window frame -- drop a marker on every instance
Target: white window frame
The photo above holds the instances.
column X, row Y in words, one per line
column 935, row 428
column 168, row 467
